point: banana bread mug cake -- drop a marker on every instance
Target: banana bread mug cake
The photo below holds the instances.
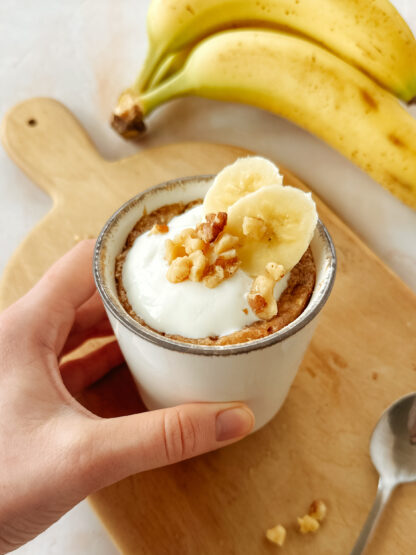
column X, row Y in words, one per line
column 232, row 269
column 198, row 269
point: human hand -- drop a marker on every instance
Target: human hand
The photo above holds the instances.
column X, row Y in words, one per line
column 53, row 451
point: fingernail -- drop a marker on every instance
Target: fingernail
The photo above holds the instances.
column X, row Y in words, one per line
column 233, row 423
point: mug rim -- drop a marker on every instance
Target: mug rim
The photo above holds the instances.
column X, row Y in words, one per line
column 190, row 348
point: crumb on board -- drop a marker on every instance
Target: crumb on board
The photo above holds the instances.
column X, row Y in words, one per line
column 277, row 535
column 307, row 524
column 318, row 510
column 316, row 514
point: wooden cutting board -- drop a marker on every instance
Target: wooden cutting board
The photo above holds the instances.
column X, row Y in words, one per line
column 362, row 357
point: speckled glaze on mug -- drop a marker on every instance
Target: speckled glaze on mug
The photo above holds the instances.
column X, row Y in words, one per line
column 169, row 372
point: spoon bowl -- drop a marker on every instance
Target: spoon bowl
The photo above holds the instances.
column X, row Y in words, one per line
column 393, row 452
column 393, row 443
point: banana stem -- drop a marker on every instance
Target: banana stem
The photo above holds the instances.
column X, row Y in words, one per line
column 168, row 90
column 132, row 107
column 150, row 65
column 127, row 117
column 169, row 65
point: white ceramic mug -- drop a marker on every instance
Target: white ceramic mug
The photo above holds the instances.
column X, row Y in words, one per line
column 169, row 372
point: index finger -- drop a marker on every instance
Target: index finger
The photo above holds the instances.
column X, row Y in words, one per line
column 50, row 307
column 69, row 280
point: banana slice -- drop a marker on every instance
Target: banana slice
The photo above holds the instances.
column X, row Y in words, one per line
column 286, row 219
column 239, row 179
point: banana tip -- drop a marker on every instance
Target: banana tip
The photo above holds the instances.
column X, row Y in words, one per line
column 129, row 126
column 127, row 118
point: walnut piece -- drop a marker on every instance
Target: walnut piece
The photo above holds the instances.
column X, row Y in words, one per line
column 318, row 510
column 199, row 263
column 257, row 303
column 316, row 514
column 255, row 228
column 214, row 276
column 209, row 230
column 232, row 253
column 193, row 244
column 229, row 264
column 277, row 535
column 173, row 251
column 225, row 242
column 261, row 297
column 308, row 524
column 184, row 235
column 203, row 254
column 159, row 228
column 179, row 269
column 275, row 271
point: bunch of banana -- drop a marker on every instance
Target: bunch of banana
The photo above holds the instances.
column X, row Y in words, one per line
column 336, row 73
column 367, row 33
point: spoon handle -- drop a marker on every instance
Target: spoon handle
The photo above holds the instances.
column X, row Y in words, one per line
column 384, row 491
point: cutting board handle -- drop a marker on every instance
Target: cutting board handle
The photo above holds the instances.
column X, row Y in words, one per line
column 49, row 144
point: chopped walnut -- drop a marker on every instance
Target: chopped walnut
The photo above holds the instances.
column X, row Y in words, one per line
column 232, row 253
column 257, row 303
column 193, row 244
column 214, row 276
column 179, row 269
column 276, row 271
column 318, row 510
column 209, row 230
column 199, row 263
column 308, row 524
column 186, row 242
column 225, row 242
column 254, row 228
column 159, row 228
column 277, row 535
column 211, row 255
column 261, row 297
column 184, row 235
column 229, row 265
column 173, row 251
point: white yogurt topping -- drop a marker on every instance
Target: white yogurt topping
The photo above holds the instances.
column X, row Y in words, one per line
column 188, row 308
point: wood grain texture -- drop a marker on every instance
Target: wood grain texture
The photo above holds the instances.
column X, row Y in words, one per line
column 57, row 154
column 362, row 357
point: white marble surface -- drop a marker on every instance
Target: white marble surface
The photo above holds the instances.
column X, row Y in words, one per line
column 83, row 53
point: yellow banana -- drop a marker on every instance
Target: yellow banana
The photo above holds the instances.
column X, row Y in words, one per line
column 289, row 217
column 235, row 181
column 307, row 85
column 369, row 34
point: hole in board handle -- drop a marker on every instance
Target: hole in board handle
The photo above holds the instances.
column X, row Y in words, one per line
column 32, row 122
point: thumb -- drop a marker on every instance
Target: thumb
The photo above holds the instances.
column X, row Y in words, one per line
column 119, row 447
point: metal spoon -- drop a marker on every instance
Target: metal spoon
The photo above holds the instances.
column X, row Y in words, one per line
column 393, row 452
